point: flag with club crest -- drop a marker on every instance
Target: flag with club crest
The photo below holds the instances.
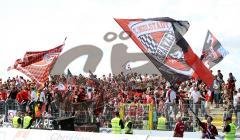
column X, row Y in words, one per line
column 161, row 40
column 212, row 52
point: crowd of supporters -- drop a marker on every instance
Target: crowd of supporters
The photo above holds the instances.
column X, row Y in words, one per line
column 111, row 91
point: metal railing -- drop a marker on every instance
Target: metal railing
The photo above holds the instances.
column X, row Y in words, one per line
column 84, row 114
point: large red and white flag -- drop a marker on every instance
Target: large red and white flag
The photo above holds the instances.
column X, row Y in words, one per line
column 37, row 65
column 161, row 40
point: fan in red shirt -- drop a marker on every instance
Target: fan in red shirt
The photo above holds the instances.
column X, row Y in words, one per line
column 144, row 99
column 209, row 131
column 179, row 128
column 22, row 96
column 3, row 94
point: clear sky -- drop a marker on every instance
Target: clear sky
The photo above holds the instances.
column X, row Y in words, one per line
column 38, row 25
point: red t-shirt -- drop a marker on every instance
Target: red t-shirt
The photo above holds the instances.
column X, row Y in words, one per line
column 3, row 95
column 123, row 100
column 22, row 96
column 151, row 100
column 179, row 129
column 208, row 96
column 144, row 101
column 137, row 94
column 120, row 94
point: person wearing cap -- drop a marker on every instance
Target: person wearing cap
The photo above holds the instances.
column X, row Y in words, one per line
column 117, row 124
column 229, row 129
column 179, row 128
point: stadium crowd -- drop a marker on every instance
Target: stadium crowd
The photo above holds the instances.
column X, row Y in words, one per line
column 110, row 92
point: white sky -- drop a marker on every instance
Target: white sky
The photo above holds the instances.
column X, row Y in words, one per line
column 38, row 25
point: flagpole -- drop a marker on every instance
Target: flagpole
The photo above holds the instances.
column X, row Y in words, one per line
column 65, row 40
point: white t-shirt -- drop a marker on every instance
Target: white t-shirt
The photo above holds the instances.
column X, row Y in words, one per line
column 235, row 99
column 172, row 96
column 34, row 96
column 42, row 97
column 195, row 95
column 191, row 89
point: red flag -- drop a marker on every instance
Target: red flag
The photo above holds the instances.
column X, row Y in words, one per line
column 33, row 57
column 18, row 61
column 157, row 38
column 37, row 65
column 195, row 63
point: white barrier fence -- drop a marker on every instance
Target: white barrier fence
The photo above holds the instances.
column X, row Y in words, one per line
column 158, row 133
column 31, row 134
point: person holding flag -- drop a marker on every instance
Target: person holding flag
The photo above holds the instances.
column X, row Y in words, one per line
column 209, row 131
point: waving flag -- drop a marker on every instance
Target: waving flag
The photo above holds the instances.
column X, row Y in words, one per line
column 34, row 57
column 158, row 39
column 37, row 65
column 195, row 63
column 212, row 52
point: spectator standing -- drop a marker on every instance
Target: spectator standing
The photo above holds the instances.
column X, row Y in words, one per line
column 34, row 99
column 236, row 99
column 170, row 101
column 238, row 114
column 13, row 92
column 231, row 85
column 220, row 78
column 3, row 94
column 42, row 98
column 49, row 99
column 221, row 82
column 216, row 90
column 195, row 95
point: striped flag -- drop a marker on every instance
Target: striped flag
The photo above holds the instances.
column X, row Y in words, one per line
column 37, row 65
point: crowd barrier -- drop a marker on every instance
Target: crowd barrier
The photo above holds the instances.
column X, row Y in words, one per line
column 31, row 134
column 157, row 133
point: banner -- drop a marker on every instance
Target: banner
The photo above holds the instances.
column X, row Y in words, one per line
column 157, row 38
column 37, row 65
column 212, row 52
